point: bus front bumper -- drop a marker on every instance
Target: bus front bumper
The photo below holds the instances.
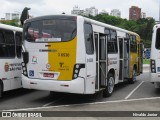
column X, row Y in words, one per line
column 74, row 86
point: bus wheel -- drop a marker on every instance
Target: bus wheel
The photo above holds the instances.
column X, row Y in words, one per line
column 134, row 75
column 110, row 86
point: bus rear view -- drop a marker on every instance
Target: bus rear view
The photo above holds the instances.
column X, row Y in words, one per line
column 74, row 54
column 155, row 57
column 50, row 61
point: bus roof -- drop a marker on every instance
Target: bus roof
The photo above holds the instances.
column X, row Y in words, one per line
column 49, row 17
column 86, row 19
column 9, row 27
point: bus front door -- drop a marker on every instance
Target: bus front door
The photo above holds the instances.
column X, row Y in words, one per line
column 123, row 58
column 101, row 60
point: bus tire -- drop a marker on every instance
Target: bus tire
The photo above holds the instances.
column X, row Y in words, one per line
column 134, row 74
column 110, row 85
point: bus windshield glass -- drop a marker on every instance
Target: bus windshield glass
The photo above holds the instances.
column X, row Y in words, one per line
column 158, row 39
column 50, row 30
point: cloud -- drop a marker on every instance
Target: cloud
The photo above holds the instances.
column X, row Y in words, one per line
column 26, row 1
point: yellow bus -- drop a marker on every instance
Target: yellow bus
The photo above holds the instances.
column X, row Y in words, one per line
column 74, row 54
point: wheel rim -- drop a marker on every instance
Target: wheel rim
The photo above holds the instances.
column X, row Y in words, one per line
column 110, row 84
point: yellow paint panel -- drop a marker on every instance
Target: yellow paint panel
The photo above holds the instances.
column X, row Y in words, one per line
column 63, row 59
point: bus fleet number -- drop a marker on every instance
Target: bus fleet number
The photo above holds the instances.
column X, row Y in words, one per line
column 63, row 54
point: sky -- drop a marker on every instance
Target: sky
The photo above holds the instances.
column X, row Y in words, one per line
column 48, row 7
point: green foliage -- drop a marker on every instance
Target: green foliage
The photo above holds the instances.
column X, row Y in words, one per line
column 146, row 61
column 142, row 26
column 14, row 22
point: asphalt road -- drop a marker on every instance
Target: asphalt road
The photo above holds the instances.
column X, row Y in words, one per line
column 30, row 99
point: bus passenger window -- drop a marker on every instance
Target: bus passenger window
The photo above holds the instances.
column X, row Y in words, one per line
column 112, row 46
column 18, row 44
column 158, row 39
column 133, row 45
column 10, row 43
column 88, row 33
column 2, row 45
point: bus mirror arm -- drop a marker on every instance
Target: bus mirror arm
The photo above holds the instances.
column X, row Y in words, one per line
column 25, row 57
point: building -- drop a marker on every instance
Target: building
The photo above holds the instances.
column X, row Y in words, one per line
column 88, row 11
column 11, row 16
column 134, row 13
column 116, row 13
column 104, row 12
column 77, row 11
column 2, row 18
column 91, row 11
column 143, row 15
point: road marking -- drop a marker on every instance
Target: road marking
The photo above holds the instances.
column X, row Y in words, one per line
column 94, row 103
column 133, row 91
column 53, row 102
column 145, row 71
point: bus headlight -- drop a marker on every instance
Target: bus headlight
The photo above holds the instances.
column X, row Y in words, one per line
column 77, row 66
column 24, row 69
column 23, row 64
column 153, row 66
column 153, row 70
column 75, row 76
column 76, row 70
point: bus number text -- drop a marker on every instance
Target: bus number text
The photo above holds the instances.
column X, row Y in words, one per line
column 63, row 54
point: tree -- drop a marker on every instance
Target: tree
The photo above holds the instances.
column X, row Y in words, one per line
column 142, row 26
column 14, row 22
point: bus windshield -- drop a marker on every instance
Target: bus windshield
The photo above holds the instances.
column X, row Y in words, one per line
column 158, row 39
column 50, row 30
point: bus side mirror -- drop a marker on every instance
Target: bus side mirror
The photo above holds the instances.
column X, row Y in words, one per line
column 25, row 57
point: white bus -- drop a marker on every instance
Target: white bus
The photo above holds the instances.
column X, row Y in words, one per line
column 155, row 57
column 74, row 54
column 10, row 58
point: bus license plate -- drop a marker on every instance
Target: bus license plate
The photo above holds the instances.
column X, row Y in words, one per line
column 48, row 75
